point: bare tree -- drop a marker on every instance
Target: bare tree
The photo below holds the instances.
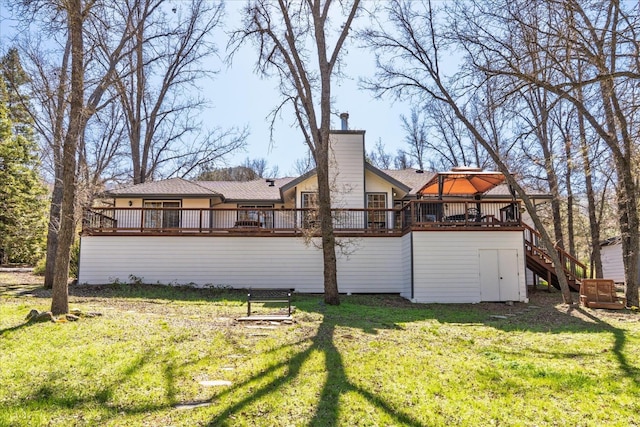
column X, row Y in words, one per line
column 439, row 141
column 60, row 294
column 602, row 38
column 164, row 63
column 50, row 86
column 415, row 42
column 379, row 157
column 304, row 164
column 402, row 160
column 301, row 45
column 79, row 21
column 417, row 133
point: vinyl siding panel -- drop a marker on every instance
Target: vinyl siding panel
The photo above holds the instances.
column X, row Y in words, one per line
column 375, row 184
column 445, row 267
column 446, row 264
column 374, row 266
column 612, row 264
column 406, row 265
column 347, row 170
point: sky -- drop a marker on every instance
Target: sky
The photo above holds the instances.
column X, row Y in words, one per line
column 243, row 98
column 238, row 98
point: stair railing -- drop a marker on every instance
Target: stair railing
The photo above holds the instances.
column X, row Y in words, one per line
column 572, row 267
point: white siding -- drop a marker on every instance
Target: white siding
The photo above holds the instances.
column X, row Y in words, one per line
column 374, row 266
column 406, row 266
column 346, row 170
column 612, row 265
column 375, row 184
column 446, row 264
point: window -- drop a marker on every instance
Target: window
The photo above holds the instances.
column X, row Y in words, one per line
column 166, row 218
column 377, row 219
column 309, row 200
column 310, row 217
column 256, row 215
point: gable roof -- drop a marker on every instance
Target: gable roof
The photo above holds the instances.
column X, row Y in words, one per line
column 407, row 180
column 387, row 177
column 295, row 181
column 168, row 187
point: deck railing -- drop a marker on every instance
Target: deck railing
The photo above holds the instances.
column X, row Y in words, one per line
column 574, row 269
column 416, row 214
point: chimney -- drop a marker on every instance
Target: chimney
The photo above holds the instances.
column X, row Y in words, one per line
column 344, row 117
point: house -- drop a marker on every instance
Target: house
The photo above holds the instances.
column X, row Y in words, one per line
column 396, row 234
column 612, row 263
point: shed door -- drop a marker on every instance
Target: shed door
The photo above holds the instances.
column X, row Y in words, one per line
column 499, row 275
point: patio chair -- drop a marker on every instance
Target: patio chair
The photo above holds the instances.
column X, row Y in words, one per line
column 600, row 293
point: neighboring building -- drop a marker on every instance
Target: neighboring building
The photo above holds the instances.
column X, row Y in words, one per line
column 396, row 235
column 612, row 264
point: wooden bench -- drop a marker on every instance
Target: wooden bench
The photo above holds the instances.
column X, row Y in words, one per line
column 269, row 295
column 600, row 293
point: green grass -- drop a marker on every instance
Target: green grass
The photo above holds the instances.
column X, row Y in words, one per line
column 373, row 361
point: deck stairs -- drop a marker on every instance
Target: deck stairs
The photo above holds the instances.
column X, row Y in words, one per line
column 539, row 261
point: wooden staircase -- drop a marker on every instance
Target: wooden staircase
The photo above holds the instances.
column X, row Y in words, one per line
column 539, row 261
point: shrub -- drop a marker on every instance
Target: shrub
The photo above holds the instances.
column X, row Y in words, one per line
column 74, row 262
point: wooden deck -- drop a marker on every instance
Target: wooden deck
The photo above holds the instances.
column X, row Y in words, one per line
column 423, row 215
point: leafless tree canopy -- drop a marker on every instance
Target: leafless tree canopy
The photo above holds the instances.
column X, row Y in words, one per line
column 542, row 86
column 299, row 44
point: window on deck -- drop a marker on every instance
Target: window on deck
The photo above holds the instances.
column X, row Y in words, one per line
column 310, row 217
column 162, row 218
column 377, row 219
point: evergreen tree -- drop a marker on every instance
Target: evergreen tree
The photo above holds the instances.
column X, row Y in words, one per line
column 16, row 100
column 22, row 194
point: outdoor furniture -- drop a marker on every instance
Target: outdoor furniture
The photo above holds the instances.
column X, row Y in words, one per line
column 472, row 215
column 268, row 296
column 246, row 223
column 600, row 293
column 509, row 213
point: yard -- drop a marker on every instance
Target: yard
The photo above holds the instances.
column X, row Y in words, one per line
column 171, row 356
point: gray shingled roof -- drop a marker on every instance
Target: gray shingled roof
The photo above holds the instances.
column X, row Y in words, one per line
column 410, row 178
column 258, row 189
column 166, row 187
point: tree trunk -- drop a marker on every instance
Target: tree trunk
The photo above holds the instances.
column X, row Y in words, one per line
column 594, row 226
column 53, row 230
column 60, row 295
column 627, row 201
column 56, row 147
column 570, row 222
column 626, row 194
column 326, row 229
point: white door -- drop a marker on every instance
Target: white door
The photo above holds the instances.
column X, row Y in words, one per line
column 499, row 275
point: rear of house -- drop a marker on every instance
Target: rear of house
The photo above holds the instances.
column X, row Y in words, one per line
column 263, row 234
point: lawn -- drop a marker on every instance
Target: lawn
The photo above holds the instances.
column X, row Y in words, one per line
column 170, row 356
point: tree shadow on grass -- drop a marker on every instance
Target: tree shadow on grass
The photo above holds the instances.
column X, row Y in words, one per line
column 51, row 394
column 620, row 341
column 371, row 318
column 337, row 383
column 16, row 327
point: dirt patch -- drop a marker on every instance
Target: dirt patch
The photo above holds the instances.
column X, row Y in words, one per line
column 9, row 277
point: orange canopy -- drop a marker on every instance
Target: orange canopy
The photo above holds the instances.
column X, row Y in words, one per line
column 462, row 181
